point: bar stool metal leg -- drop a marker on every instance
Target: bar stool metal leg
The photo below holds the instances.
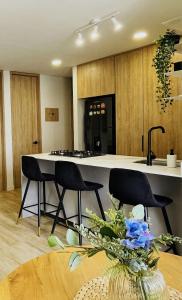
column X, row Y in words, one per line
column 23, row 201
column 146, row 214
column 80, row 214
column 120, row 205
column 100, row 205
column 60, row 206
column 38, row 197
column 61, row 199
column 168, row 226
column 44, row 196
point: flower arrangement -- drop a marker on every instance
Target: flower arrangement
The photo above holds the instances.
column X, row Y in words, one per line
column 128, row 241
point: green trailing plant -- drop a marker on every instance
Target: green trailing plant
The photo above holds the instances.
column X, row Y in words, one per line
column 163, row 65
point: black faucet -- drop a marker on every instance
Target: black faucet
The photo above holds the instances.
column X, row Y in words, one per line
column 150, row 154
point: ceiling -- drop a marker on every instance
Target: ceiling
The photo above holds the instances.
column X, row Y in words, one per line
column 33, row 32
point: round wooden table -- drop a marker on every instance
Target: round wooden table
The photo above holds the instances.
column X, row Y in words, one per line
column 48, row 277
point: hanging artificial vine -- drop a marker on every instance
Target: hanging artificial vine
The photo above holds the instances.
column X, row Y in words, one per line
column 163, row 63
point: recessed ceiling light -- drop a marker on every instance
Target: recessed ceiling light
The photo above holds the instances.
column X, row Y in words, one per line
column 140, row 35
column 79, row 40
column 95, row 33
column 56, row 62
column 117, row 25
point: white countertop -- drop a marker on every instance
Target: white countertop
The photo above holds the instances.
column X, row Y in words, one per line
column 115, row 161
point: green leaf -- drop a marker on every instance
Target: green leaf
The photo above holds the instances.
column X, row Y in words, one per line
column 107, row 231
column 153, row 262
column 92, row 252
column 74, row 261
column 54, row 241
column 138, row 212
column 72, row 237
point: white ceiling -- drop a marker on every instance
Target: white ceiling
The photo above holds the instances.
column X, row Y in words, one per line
column 33, row 32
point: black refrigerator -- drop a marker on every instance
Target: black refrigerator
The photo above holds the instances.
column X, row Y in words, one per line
column 99, row 124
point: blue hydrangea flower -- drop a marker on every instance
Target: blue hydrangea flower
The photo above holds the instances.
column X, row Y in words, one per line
column 135, row 228
column 137, row 235
column 143, row 241
column 140, row 242
column 128, row 244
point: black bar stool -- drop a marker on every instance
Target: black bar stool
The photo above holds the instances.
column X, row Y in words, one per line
column 68, row 175
column 31, row 170
column 133, row 188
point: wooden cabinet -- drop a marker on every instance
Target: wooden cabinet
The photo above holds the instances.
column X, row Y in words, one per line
column 96, row 78
column 136, row 107
column 176, row 114
column 153, row 116
column 129, row 103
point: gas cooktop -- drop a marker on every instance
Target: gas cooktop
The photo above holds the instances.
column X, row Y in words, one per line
column 76, row 153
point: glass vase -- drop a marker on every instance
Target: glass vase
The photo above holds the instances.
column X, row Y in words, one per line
column 123, row 286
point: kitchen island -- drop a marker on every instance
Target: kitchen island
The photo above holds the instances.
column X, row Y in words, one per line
column 164, row 181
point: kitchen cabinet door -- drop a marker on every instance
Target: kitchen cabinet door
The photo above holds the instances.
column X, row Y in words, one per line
column 153, row 116
column 129, row 103
column 96, row 78
column 176, row 123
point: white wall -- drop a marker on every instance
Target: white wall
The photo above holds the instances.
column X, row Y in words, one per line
column 8, row 130
column 78, row 115
column 55, row 92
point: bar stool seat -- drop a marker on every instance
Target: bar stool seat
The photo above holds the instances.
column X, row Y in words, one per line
column 32, row 172
column 88, row 186
column 132, row 187
column 162, row 201
column 92, row 186
column 47, row 177
column 67, row 175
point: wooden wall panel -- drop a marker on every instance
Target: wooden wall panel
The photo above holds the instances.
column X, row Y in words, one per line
column 176, row 124
column 129, row 103
column 153, row 116
column 96, row 78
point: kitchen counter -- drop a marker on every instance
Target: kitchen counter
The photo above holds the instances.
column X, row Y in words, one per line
column 163, row 180
column 115, row 161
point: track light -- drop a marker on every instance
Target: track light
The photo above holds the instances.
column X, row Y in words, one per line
column 79, row 40
column 95, row 33
column 117, row 25
column 93, row 26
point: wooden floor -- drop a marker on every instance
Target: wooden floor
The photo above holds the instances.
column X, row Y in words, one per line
column 19, row 243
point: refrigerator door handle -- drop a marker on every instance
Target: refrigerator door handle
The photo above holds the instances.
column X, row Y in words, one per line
column 142, row 143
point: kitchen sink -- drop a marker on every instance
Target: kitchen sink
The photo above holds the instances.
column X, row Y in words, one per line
column 156, row 162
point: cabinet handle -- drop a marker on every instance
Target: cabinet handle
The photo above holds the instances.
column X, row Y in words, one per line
column 142, row 143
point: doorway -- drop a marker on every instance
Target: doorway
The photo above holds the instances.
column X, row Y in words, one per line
column 26, row 119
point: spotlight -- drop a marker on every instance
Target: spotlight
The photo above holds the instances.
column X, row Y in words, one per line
column 117, row 25
column 79, row 40
column 56, row 62
column 140, row 35
column 95, row 33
